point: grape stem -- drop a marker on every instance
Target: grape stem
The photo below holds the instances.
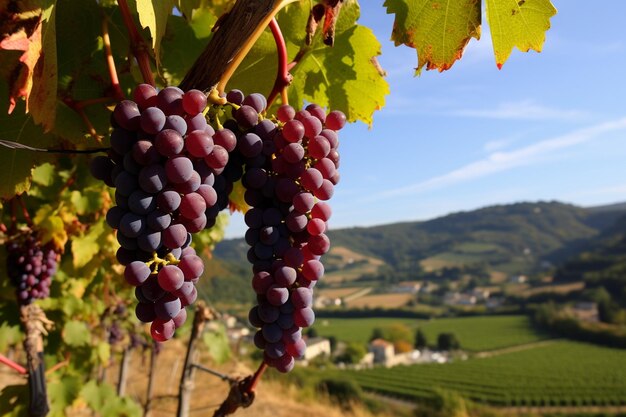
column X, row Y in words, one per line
column 24, row 210
column 283, row 78
column 137, row 44
column 115, row 82
column 15, row 366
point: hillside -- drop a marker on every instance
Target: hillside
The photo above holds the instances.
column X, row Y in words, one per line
column 518, row 238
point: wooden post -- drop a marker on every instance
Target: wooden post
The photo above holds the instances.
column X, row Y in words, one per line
column 123, row 374
column 36, row 325
column 203, row 314
column 153, row 358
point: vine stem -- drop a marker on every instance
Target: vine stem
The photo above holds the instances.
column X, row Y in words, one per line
column 17, row 367
column 78, row 109
column 115, row 82
column 256, row 377
column 137, row 43
column 283, row 78
column 24, row 210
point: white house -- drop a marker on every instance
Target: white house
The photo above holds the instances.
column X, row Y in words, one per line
column 382, row 350
column 316, row 346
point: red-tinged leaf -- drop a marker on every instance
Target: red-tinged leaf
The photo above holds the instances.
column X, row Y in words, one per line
column 518, row 23
column 30, row 45
column 438, row 29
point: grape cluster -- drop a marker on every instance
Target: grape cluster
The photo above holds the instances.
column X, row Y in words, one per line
column 166, row 163
column 289, row 171
column 30, row 266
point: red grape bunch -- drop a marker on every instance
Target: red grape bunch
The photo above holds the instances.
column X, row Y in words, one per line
column 290, row 169
column 30, row 266
column 163, row 163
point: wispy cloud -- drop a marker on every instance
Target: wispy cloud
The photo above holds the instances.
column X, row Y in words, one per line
column 523, row 110
column 503, row 161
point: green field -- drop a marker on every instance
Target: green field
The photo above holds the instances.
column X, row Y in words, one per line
column 558, row 374
column 474, row 333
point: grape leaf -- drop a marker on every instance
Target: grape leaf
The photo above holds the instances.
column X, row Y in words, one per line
column 86, row 246
column 439, row 30
column 43, row 95
column 153, row 15
column 518, row 23
column 76, row 333
column 343, row 77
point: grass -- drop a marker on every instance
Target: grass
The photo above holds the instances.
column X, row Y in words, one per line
column 558, row 374
column 474, row 333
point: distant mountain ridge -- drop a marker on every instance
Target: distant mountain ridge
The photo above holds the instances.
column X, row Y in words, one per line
column 513, row 238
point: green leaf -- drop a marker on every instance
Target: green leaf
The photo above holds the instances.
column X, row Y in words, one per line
column 438, row 30
column 153, row 15
column 43, row 97
column 103, row 351
column 44, row 174
column 518, row 23
column 86, row 246
column 76, row 333
column 343, row 77
column 63, row 392
column 216, row 343
column 51, row 226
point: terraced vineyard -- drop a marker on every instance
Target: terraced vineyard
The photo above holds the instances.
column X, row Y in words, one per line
column 559, row 374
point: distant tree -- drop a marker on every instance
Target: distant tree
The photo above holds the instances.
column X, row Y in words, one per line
column 377, row 333
column 420, row 339
column 447, row 341
column 333, row 343
column 311, row 333
column 353, row 353
column 398, row 333
column 402, row 346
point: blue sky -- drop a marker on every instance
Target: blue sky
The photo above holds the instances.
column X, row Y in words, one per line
column 548, row 126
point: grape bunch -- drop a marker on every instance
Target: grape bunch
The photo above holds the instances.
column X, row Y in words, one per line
column 289, row 171
column 30, row 266
column 165, row 163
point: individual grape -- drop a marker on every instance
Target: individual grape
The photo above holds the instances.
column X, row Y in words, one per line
column 178, row 169
column 199, row 144
column 208, row 193
column 170, row 278
column 293, row 131
column 127, row 242
column 192, row 205
column 275, row 350
column 167, row 307
column 302, row 297
column 272, row 332
column 312, row 127
column 285, row 276
column 114, row 216
column 174, row 236
column 158, row 221
column 198, row 122
column 326, row 167
column 316, row 111
column 149, row 241
column 296, row 349
column 256, row 101
column 285, row 113
column 218, row 158
column 312, row 179
column 136, row 273
column 304, row 317
column 331, row 136
column 126, row 183
column 226, row 139
column 162, row 330
column 101, row 168
column 130, row 165
column 194, row 102
column 169, row 143
column 132, row 225
column 322, row 211
column 319, row 147
column 277, row 295
column 168, row 201
column 235, row 97
column 127, row 115
column 319, row 245
column 152, row 120
column 335, row 120
column 141, row 202
column 145, row 312
column 246, row 116
column 261, row 282
column 250, row 145
column 170, row 100
column 316, row 227
column 180, row 319
column 145, row 96
column 144, row 153
column 325, row 191
column 191, row 266
column 188, row 299
column 293, row 153
column 284, row 364
column 152, row 178
column 151, row 289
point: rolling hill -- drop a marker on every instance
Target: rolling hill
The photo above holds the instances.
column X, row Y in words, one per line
column 510, row 239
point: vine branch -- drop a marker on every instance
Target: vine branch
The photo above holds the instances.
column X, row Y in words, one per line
column 235, row 36
column 283, row 78
column 115, row 82
column 137, row 43
column 15, row 366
